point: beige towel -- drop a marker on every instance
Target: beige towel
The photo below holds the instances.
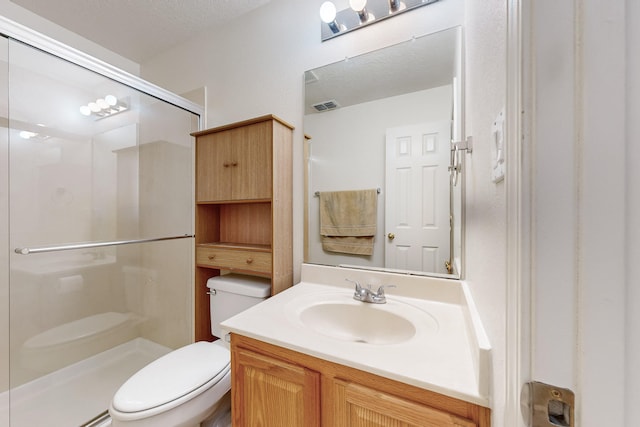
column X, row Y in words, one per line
column 348, row 221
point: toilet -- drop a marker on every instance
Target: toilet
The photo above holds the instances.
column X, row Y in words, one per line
column 190, row 385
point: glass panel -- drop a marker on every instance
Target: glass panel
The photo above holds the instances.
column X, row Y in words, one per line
column 4, row 239
column 92, row 160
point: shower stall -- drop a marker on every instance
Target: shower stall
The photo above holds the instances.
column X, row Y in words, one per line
column 96, row 224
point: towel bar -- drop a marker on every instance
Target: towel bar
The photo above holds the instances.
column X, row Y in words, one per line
column 317, row 193
column 27, row 251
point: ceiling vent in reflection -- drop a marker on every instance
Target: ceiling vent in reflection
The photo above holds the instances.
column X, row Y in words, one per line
column 332, row 104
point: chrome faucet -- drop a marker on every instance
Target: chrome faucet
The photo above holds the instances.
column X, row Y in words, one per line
column 367, row 295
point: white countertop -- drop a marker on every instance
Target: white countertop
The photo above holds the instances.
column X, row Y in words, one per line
column 449, row 353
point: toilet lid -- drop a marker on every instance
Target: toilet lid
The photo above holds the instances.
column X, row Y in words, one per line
column 172, row 376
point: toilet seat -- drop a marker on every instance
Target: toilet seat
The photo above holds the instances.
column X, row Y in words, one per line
column 172, row 380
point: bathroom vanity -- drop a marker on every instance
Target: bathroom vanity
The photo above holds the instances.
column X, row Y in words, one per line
column 272, row 384
column 314, row 356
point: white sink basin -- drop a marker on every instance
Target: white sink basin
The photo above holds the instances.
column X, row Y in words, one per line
column 338, row 316
column 364, row 323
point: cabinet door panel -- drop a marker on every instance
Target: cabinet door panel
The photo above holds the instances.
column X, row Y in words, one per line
column 359, row 406
column 214, row 167
column 272, row 393
column 252, row 162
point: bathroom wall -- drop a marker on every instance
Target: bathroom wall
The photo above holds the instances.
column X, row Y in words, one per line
column 255, row 66
column 29, row 19
column 353, row 138
column 485, row 232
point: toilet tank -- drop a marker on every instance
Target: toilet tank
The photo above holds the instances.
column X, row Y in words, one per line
column 231, row 294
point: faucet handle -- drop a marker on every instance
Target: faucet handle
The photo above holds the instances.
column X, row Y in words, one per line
column 358, row 287
column 381, row 289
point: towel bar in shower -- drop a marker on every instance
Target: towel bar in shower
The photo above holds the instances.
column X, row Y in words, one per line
column 27, row 251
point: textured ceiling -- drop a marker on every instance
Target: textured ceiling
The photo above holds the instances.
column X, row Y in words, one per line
column 139, row 29
column 418, row 64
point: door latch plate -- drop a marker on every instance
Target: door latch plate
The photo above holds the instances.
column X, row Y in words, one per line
column 551, row 406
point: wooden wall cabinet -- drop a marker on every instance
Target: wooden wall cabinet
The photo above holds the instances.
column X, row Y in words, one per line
column 243, row 206
column 276, row 386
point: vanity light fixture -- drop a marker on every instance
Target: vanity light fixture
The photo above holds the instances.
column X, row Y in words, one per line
column 361, row 13
column 328, row 16
column 396, row 5
column 360, row 7
column 104, row 107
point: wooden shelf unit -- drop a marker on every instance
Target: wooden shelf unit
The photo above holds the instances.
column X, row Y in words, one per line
column 243, row 209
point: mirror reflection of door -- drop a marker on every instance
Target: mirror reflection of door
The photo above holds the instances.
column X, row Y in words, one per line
column 417, row 81
column 417, row 202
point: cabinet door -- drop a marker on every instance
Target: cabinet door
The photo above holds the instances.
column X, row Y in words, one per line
column 360, row 406
column 214, row 166
column 252, row 161
column 272, row 393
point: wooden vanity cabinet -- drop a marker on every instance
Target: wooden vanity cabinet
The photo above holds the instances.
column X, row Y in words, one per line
column 276, row 386
column 274, row 392
column 243, row 212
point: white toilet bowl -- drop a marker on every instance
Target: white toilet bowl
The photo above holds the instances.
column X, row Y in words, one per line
column 180, row 389
column 191, row 384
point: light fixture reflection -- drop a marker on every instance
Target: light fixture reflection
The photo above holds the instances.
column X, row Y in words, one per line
column 33, row 136
column 104, row 107
column 25, row 134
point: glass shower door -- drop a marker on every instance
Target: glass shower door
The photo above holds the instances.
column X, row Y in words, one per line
column 100, row 199
column 4, row 237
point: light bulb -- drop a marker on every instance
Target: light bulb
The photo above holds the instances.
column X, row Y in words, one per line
column 328, row 12
column 102, row 104
column 358, row 5
column 85, row 110
column 111, row 100
column 94, row 107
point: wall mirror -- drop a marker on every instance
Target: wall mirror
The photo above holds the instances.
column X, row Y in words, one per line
column 385, row 120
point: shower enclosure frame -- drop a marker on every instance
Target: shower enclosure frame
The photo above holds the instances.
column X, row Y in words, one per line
column 28, row 37
column 32, row 38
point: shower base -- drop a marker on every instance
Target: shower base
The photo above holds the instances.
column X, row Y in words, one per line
column 77, row 393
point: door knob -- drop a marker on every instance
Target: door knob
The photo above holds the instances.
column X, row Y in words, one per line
column 391, row 236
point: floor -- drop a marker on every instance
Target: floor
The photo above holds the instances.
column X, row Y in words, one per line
column 78, row 393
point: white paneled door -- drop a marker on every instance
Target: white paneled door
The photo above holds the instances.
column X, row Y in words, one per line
column 417, row 197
